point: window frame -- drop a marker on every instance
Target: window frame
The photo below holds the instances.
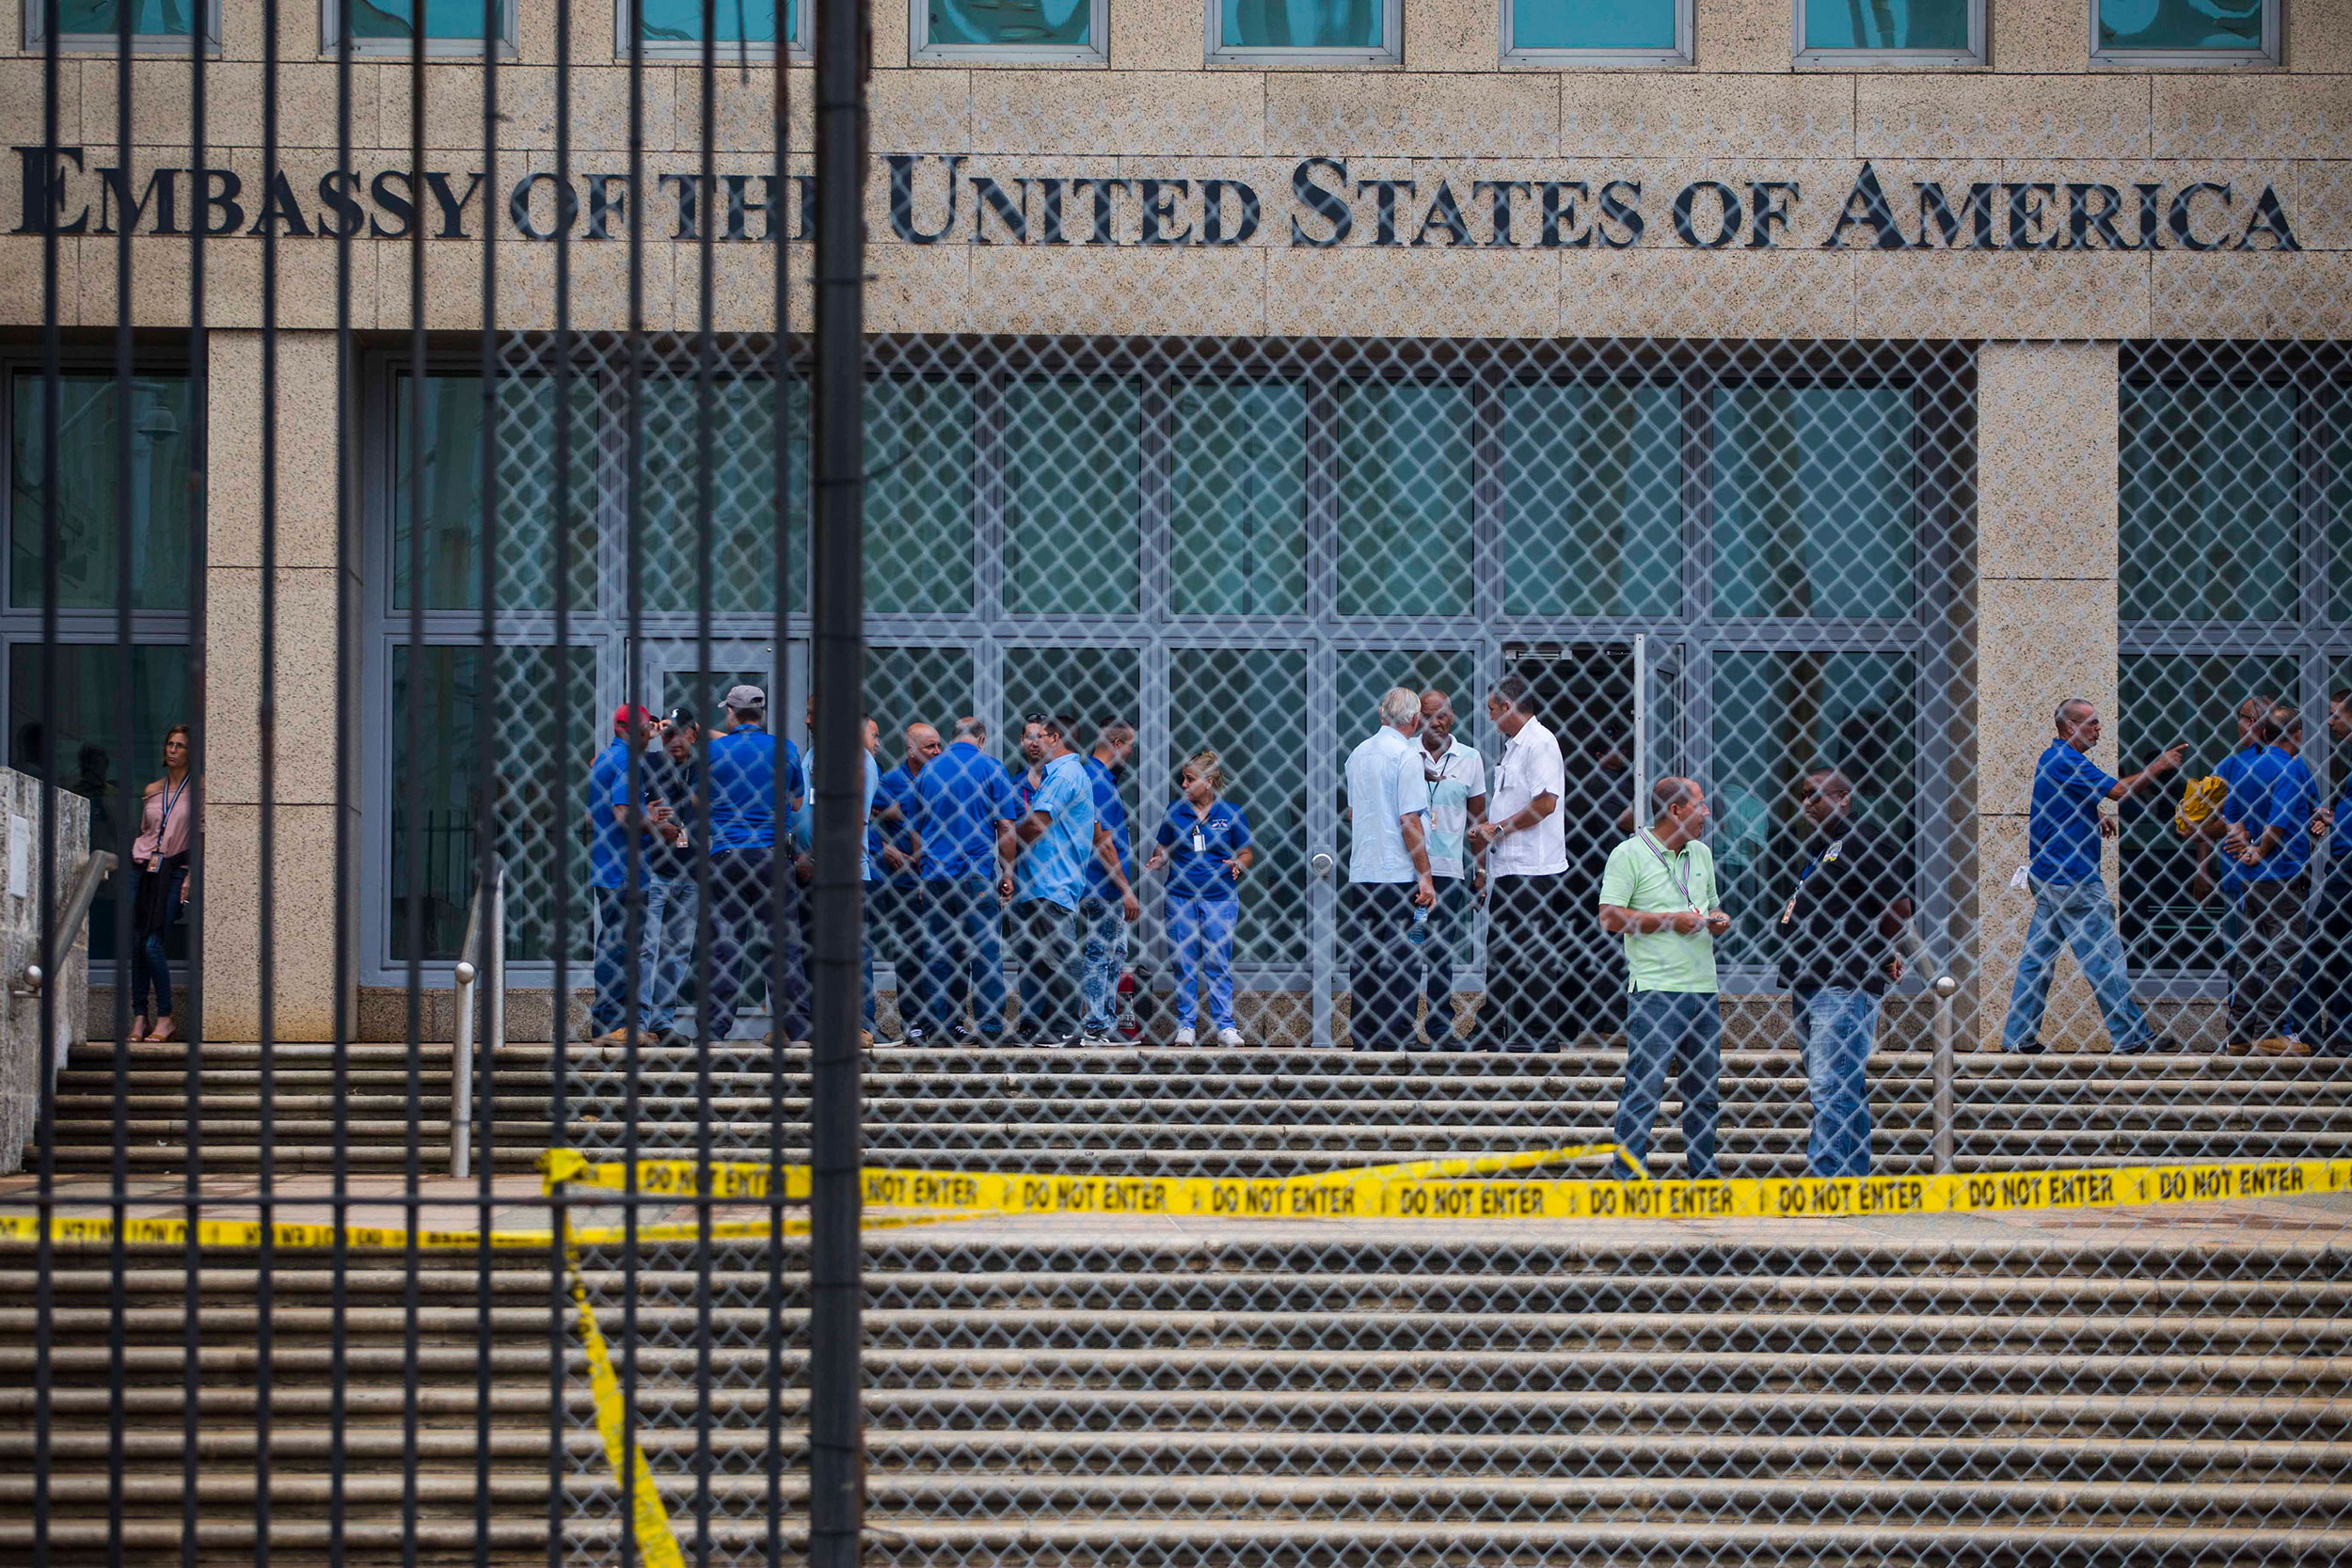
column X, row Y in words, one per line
column 796, row 48
column 1973, row 54
column 922, row 51
column 1388, row 53
column 1682, row 53
column 2268, row 56
column 463, row 49
column 141, row 44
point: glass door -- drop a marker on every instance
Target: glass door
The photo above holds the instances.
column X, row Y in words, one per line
column 671, row 676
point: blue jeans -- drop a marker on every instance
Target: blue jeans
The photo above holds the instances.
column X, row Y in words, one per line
column 608, row 1003
column 668, row 955
column 2077, row 915
column 1200, row 945
column 1685, row 1027
column 896, row 915
column 1838, row 1026
column 150, row 967
column 746, row 931
column 966, row 951
column 1102, row 958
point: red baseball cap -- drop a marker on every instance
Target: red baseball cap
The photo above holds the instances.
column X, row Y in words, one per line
column 622, row 715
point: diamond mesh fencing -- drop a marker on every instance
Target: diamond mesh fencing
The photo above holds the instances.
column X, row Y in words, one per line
column 1566, row 853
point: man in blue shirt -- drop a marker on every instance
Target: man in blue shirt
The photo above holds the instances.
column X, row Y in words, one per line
column 1044, row 875
column 2266, row 817
column 894, row 896
column 617, row 881
column 745, row 770
column 1108, row 906
column 2326, row 1004
column 960, row 798
column 666, row 808
column 2070, row 902
column 1387, row 878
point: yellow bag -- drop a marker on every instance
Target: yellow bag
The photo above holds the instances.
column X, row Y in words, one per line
column 2201, row 801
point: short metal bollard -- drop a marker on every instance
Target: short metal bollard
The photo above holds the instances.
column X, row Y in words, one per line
column 1946, row 986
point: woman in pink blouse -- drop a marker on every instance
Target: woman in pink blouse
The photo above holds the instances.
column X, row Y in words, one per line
column 167, row 823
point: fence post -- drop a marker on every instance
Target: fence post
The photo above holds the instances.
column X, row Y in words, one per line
column 1945, row 987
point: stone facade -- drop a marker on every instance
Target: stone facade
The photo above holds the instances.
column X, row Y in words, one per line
column 21, row 1064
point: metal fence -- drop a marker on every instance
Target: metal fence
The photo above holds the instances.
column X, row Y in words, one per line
column 1151, row 940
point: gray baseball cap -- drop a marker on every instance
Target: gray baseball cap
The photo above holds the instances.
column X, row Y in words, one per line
column 746, row 699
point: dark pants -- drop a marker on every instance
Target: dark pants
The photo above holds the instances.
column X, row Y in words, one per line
column 1376, row 929
column 2329, row 964
column 151, row 969
column 966, row 951
column 2268, row 952
column 1527, row 1006
column 1686, row 1028
column 1046, row 946
column 744, row 928
column 1449, row 923
column 899, row 919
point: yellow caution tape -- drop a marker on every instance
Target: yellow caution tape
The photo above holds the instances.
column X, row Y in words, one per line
column 656, row 1544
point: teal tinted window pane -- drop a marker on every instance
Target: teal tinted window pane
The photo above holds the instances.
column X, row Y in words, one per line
column 448, row 475
column 1403, row 484
column 1776, row 717
column 1029, row 22
column 1593, row 23
column 1249, row 706
column 89, row 521
column 2207, row 530
column 682, row 21
column 918, row 496
column 2337, row 439
column 916, row 686
column 443, row 19
column 149, row 18
column 1073, row 528
column 743, row 523
column 540, row 787
column 1886, row 25
column 1300, row 25
column 1592, row 489
column 2180, row 23
column 1238, row 499
column 2161, row 699
column 1813, row 501
column 86, row 743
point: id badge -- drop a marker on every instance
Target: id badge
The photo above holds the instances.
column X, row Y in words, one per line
column 1199, row 843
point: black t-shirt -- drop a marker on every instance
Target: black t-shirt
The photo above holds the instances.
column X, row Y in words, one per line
column 1827, row 922
column 675, row 785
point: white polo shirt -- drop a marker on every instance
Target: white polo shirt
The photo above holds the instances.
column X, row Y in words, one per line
column 1455, row 777
column 1531, row 765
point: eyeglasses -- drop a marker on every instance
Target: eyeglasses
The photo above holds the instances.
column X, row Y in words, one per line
column 1037, row 718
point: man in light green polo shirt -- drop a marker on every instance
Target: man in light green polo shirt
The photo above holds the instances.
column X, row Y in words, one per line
column 1658, row 893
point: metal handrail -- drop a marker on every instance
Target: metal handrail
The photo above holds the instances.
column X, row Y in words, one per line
column 78, row 898
column 486, row 938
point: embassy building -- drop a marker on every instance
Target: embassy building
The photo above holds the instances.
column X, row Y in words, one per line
column 1776, row 384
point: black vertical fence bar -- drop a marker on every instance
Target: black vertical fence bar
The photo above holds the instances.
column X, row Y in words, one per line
column 347, row 559
column 128, row 800
column 44, row 1251
column 782, row 904
column 633, row 530
column 706, row 463
column 265, row 739
column 192, row 1178
column 490, row 992
column 560, row 741
column 413, row 723
column 835, row 1137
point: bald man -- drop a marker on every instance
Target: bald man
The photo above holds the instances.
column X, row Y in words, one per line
column 901, row 921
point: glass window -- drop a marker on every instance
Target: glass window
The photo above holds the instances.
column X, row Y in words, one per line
column 157, row 25
column 87, row 743
column 1645, row 30
column 1813, row 501
column 385, row 26
column 2207, row 29
column 90, row 525
column 1592, row 500
column 2162, row 698
column 676, row 26
column 2207, row 497
column 1249, row 706
column 450, row 478
column 742, row 440
column 1777, row 716
column 1239, row 498
column 1945, row 27
column 910, row 685
column 1072, row 525
column 1087, row 686
column 1404, row 486
column 918, row 496
column 1047, row 29
column 1350, row 29
column 541, row 791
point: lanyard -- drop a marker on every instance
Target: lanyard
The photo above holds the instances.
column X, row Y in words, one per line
column 1827, row 853
column 1681, row 879
column 163, row 824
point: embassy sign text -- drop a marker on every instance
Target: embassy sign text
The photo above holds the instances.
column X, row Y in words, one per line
column 941, row 199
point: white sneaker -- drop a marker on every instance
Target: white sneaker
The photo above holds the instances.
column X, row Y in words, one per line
column 1183, row 1037
column 1229, row 1037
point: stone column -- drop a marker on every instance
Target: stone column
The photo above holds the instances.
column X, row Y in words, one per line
column 302, row 874
column 2046, row 452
